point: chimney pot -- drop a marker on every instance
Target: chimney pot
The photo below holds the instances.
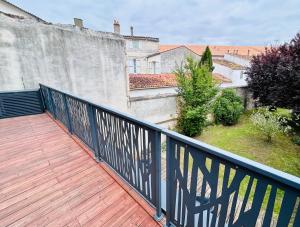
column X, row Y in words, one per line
column 78, row 22
column 117, row 27
column 131, row 30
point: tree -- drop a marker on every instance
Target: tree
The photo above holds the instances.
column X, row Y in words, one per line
column 196, row 90
column 274, row 76
column 206, row 59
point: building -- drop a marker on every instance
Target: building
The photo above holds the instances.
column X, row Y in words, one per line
column 11, row 9
column 138, row 48
column 170, row 59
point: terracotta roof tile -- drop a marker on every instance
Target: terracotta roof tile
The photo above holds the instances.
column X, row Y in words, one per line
column 139, row 81
column 229, row 64
column 219, row 50
column 220, row 78
column 142, row 81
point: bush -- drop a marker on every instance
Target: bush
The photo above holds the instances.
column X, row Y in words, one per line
column 228, row 108
column 268, row 123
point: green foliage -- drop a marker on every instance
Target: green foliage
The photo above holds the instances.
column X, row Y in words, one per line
column 196, row 90
column 228, row 107
column 206, row 59
column 268, row 123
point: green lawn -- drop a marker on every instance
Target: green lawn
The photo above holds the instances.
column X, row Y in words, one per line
column 242, row 139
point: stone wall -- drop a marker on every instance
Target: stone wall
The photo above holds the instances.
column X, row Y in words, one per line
column 89, row 64
column 157, row 105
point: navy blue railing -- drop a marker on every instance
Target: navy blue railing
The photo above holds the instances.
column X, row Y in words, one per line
column 129, row 146
column 206, row 186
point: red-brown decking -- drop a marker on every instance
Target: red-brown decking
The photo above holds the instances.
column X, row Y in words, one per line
column 46, row 178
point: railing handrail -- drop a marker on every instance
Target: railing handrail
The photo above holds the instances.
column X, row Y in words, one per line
column 18, row 91
column 248, row 164
column 111, row 110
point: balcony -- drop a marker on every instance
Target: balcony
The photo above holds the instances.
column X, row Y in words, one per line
column 84, row 164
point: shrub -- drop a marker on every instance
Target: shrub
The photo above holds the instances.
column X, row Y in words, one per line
column 228, row 107
column 196, row 90
column 268, row 123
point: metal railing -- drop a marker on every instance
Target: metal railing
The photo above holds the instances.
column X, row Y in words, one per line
column 206, row 186
column 129, row 146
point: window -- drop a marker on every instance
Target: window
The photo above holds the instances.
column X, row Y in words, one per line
column 154, row 67
column 135, row 44
column 134, row 66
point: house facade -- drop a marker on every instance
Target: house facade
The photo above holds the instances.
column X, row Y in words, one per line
column 138, row 48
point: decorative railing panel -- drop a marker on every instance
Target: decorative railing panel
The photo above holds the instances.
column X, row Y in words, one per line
column 204, row 189
column 60, row 108
column 79, row 119
column 130, row 149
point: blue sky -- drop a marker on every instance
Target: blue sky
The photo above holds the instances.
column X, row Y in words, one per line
column 230, row 22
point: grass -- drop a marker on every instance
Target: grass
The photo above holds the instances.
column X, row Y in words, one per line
column 242, row 139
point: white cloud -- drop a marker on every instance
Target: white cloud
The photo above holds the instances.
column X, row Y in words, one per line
column 244, row 22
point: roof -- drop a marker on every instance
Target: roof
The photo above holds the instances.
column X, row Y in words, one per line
column 143, row 81
column 229, row 64
column 141, row 38
column 221, row 78
column 36, row 17
column 140, row 81
column 218, row 50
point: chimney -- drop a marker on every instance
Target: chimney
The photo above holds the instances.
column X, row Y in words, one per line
column 117, row 28
column 131, row 30
column 78, row 22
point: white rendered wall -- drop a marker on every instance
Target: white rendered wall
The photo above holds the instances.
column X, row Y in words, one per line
column 89, row 64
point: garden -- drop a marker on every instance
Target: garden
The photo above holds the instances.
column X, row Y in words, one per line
column 269, row 133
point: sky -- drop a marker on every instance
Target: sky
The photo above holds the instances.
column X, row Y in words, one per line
column 227, row 22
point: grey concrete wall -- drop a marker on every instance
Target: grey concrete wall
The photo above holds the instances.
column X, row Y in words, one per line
column 89, row 64
column 175, row 57
column 157, row 105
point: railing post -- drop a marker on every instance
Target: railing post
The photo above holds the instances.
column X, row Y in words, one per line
column 158, row 216
column 52, row 103
column 169, row 181
column 92, row 118
column 68, row 114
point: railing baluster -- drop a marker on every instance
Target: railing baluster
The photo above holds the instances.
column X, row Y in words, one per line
column 169, row 181
column 157, row 159
column 92, row 118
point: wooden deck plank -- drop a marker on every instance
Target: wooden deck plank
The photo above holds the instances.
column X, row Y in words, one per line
column 47, row 179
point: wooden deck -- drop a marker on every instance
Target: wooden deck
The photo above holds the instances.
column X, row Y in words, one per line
column 46, row 178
